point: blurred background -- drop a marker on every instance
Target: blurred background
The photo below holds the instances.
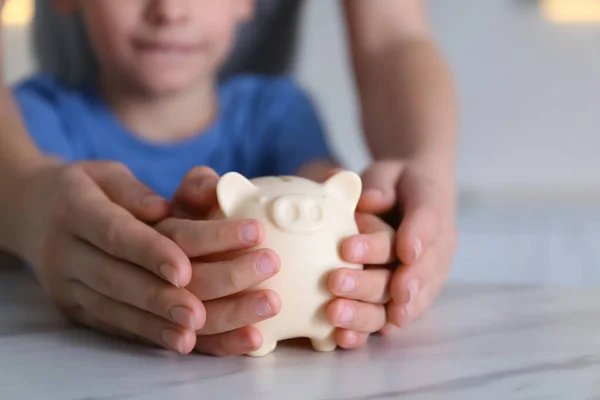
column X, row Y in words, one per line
column 528, row 78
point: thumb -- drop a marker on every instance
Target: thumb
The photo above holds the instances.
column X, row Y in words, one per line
column 379, row 187
column 422, row 217
column 197, row 193
column 120, row 185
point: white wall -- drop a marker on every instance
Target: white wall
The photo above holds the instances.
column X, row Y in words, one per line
column 530, row 93
column 18, row 61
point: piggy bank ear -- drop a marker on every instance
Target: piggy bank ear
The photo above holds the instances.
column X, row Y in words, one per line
column 232, row 190
column 345, row 185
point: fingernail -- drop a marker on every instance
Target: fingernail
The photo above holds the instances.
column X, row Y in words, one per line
column 347, row 315
column 386, row 329
column 207, row 184
column 171, row 339
column 374, row 193
column 352, row 337
column 183, row 316
column 262, row 307
column 417, row 249
column 247, row 343
column 249, row 233
column 265, row 266
column 348, row 284
column 413, row 290
column 169, row 273
column 405, row 311
column 152, row 199
column 358, row 251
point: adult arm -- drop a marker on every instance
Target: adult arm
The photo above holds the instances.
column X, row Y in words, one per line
column 18, row 156
column 409, row 115
column 405, row 86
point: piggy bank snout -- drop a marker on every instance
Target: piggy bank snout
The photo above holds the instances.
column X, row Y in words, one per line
column 296, row 213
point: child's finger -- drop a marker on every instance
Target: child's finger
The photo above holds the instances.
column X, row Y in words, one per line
column 233, row 343
column 356, row 315
column 371, row 285
column 374, row 245
column 379, row 187
column 224, row 278
column 201, row 238
column 348, row 339
column 94, row 218
column 233, row 312
column 135, row 321
column 130, row 285
column 121, row 186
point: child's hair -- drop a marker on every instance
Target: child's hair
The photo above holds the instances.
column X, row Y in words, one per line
column 61, row 46
column 266, row 45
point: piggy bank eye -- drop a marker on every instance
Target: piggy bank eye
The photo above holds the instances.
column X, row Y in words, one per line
column 287, row 212
column 261, row 199
column 313, row 212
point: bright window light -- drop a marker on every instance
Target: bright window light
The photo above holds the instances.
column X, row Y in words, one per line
column 17, row 12
column 571, row 11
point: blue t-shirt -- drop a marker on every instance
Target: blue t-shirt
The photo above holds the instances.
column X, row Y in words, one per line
column 266, row 126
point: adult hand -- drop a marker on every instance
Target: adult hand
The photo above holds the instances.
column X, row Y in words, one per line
column 423, row 195
column 85, row 232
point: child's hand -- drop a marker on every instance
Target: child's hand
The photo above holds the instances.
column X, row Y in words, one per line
column 85, row 235
column 219, row 284
column 230, row 313
column 363, row 294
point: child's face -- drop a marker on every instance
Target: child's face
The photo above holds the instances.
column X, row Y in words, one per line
column 160, row 45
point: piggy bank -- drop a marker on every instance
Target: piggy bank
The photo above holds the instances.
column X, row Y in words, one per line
column 305, row 223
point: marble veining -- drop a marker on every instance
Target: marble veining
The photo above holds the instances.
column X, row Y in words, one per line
column 477, row 342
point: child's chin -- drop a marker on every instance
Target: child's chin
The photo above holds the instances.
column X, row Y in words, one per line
column 172, row 80
column 158, row 87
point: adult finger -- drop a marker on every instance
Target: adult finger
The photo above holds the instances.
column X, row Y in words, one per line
column 201, row 238
column 369, row 285
column 135, row 321
column 197, row 194
column 374, row 245
column 224, row 278
column 233, row 343
column 423, row 215
column 130, row 285
column 120, row 185
column 403, row 314
column 414, row 287
column 233, row 312
column 348, row 339
column 379, row 187
column 357, row 316
column 96, row 219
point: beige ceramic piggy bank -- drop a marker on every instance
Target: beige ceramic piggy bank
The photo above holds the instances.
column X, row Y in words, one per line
column 305, row 223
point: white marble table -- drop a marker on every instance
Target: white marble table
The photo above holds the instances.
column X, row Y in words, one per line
column 484, row 342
